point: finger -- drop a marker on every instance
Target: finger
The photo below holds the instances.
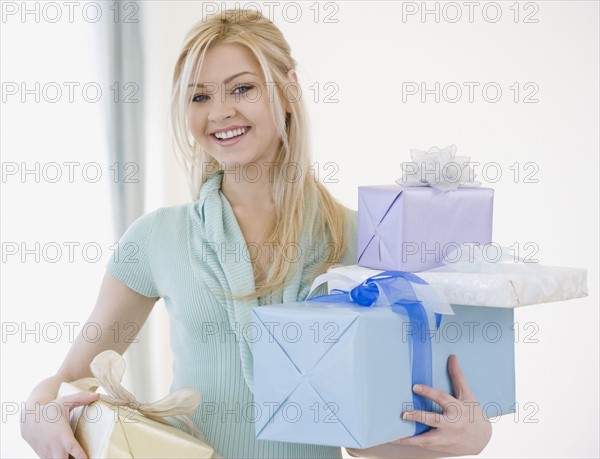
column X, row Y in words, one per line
column 440, row 397
column 79, row 399
column 73, row 448
column 56, row 455
column 459, row 383
column 424, row 440
column 424, row 417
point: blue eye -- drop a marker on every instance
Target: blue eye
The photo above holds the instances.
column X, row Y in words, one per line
column 196, row 98
column 244, row 87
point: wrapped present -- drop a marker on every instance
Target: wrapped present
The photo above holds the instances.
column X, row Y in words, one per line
column 334, row 372
column 433, row 208
column 504, row 283
column 118, row 426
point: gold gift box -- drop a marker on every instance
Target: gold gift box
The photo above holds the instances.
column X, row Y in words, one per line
column 116, row 431
column 117, row 426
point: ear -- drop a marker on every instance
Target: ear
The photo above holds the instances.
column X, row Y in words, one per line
column 293, row 78
column 292, row 75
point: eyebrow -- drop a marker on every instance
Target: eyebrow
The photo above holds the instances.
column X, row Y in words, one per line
column 227, row 80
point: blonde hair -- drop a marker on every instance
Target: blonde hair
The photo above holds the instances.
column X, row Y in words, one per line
column 299, row 205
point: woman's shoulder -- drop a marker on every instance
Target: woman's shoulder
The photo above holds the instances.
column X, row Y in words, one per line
column 352, row 216
column 351, row 220
column 351, row 237
column 163, row 219
column 174, row 213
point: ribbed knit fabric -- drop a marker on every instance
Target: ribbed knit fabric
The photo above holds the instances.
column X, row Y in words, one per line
column 190, row 255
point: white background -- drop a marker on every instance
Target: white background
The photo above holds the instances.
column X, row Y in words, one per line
column 367, row 55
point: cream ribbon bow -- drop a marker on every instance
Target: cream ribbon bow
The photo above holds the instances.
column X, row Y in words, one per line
column 108, row 367
column 439, row 169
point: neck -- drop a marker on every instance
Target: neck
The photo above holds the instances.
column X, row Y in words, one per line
column 243, row 189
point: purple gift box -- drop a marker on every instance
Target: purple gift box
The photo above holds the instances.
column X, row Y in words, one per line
column 414, row 228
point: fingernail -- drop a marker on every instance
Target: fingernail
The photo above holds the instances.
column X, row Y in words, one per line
column 417, row 388
column 406, row 415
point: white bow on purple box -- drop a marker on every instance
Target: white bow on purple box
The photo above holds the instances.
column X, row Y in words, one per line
column 439, row 169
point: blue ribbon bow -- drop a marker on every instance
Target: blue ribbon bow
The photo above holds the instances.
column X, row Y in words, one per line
column 395, row 286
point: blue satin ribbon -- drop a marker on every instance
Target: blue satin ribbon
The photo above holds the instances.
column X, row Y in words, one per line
column 396, row 286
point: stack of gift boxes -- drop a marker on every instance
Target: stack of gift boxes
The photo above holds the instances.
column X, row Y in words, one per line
column 334, row 372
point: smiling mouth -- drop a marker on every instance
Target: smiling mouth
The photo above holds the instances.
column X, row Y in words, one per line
column 230, row 137
column 224, row 135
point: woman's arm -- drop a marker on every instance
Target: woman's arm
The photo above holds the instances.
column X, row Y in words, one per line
column 462, row 429
column 116, row 303
column 392, row 451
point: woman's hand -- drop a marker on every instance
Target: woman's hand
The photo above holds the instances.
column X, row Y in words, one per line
column 461, row 429
column 53, row 438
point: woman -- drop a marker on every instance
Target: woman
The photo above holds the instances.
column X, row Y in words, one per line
column 258, row 232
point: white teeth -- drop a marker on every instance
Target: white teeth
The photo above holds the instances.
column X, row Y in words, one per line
column 231, row 133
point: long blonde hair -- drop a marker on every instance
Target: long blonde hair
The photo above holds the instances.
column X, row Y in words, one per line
column 302, row 205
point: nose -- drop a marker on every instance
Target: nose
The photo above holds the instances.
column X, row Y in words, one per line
column 221, row 108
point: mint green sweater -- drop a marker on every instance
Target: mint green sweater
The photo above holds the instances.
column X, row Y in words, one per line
column 189, row 255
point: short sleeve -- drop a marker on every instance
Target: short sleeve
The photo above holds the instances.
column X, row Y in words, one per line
column 130, row 262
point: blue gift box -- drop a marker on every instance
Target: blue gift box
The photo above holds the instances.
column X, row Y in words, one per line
column 340, row 374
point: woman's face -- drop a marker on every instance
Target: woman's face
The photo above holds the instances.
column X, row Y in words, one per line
column 230, row 113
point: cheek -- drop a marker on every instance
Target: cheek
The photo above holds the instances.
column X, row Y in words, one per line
column 197, row 123
column 259, row 114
